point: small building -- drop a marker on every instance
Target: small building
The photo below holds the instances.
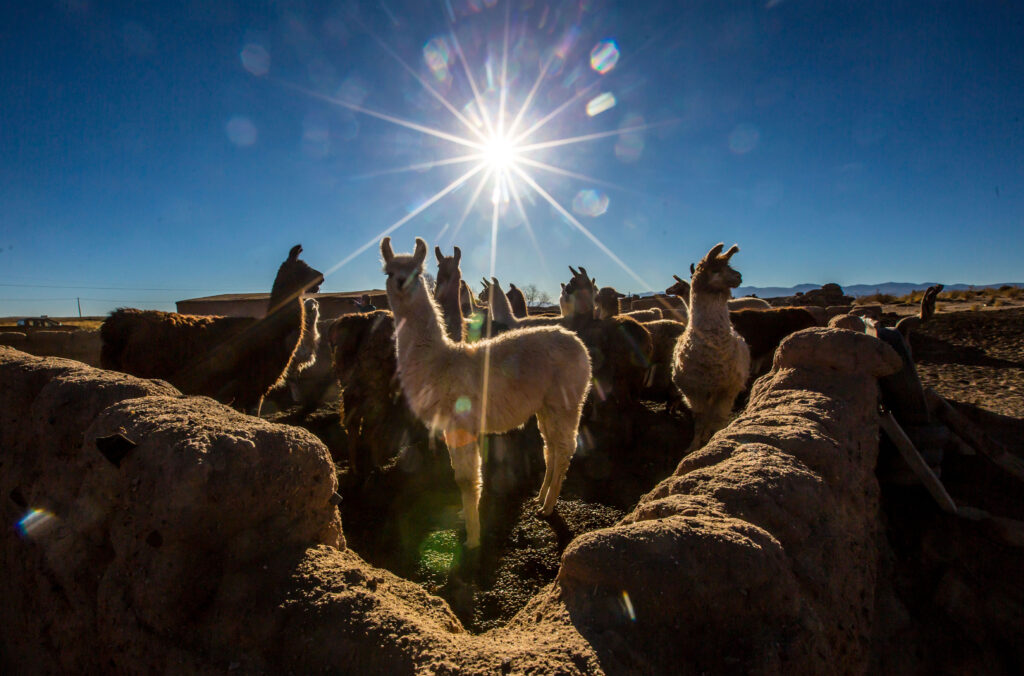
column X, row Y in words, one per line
column 255, row 304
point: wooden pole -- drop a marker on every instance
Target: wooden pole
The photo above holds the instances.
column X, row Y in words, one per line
column 913, row 457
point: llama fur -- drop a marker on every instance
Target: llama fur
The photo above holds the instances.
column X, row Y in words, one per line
column 235, row 360
column 665, row 334
column 711, row 360
column 518, row 301
column 372, row 408
column 749, row 303
column 681, row 290
column 308, row 343
column 606, row 305
column 763, row 330
column 466, row 296
column 542, row 371
column 448, row 292
column 620, row 347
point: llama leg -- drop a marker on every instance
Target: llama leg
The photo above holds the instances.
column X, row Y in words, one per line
column 559, row 434
column 545, row 435
column 466, row 464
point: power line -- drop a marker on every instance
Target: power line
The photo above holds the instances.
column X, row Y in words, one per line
column 99, row 288
column 72, row 299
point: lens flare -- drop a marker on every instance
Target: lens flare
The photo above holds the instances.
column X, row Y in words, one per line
column 437, row 56
column 592, row 203
column 255, row 59
column 744, row 138
column 604, row 56
column 36, row 523
column 600, row 103
column 241, row 131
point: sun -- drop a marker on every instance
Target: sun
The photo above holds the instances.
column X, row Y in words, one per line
column 500, row 152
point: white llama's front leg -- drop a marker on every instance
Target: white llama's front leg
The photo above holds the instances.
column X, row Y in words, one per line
column 466, row 465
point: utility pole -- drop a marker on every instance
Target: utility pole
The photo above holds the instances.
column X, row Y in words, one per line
column 79, row 307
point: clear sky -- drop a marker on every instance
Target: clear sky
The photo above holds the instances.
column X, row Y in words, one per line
column 154, row 151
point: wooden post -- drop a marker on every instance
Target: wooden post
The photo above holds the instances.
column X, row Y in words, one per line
column 913, row 457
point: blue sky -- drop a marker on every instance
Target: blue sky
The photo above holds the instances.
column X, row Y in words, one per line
column 165, row 150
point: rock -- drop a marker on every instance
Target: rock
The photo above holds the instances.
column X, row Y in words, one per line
column 848, row 322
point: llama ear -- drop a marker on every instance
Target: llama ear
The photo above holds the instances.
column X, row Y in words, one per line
column 293, row 255
column 691, row 269
column 437, row 252
column 574, row 271
column 676, row 277
column 563, row 285
column 385, row 249
column 420, row 254
column 715, row 250
column 458, row 255
column 731, row 252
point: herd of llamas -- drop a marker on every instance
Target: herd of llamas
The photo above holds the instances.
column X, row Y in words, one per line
column 420, row 362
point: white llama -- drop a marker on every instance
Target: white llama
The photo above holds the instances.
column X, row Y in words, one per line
column 466, row 390
column 711, row 361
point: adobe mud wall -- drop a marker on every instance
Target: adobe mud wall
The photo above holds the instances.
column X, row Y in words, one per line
column 213, row 544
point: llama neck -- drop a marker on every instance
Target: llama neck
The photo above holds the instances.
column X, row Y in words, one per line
column 284, row 312
column 709, row 310
column 451, row 307
column 418, row 329
column 501, row 309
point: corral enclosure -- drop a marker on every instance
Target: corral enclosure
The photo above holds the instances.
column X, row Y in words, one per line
column 753, row 548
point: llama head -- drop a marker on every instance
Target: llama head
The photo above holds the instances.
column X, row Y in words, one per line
column 713, row 274
column 294, row 278
column 580, row 292
column 681, row 288
column 607, row 302
column 404, row 271
column 517, row 299
column 449, row 277
column 491, row 286
column 466, row 299
column 564, row 303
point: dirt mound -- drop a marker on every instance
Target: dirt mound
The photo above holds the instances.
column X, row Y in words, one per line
column 759, row 552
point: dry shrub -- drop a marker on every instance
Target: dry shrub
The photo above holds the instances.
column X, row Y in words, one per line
column 876, row 299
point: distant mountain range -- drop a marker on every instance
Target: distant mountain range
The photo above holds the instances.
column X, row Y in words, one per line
column 857, row 290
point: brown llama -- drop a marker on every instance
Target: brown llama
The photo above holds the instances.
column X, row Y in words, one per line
column 235, row 360
column 376, row 419
column 467, row 390
column 448, row 292
column 518, row 301
column 620, row 347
